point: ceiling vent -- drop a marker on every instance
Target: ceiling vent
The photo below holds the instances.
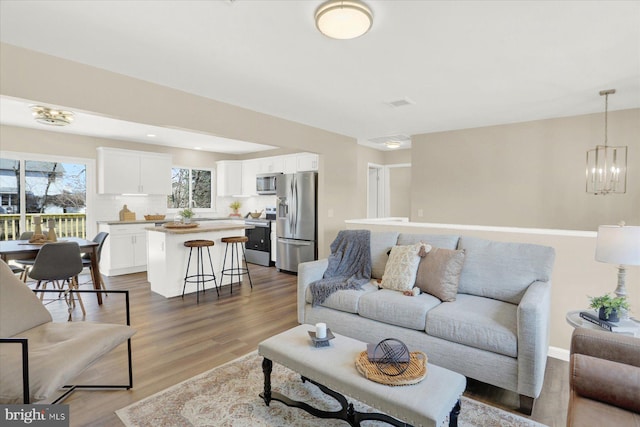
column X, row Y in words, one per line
column 403, row 102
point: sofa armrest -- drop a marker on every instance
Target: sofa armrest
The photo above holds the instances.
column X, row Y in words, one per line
column 605, row 366
column 533, row 337
column 308, row 272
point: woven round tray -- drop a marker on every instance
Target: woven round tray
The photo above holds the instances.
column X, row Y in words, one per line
column 416, row 371
column 179, row 226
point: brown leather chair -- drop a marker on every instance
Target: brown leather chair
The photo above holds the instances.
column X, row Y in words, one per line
column 604, row 379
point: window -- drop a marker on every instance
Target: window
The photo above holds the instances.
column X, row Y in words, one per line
column 55, row 190
column 191, row 188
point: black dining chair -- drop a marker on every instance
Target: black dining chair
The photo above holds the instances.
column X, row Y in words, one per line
column 86, row 257
column 59, row 263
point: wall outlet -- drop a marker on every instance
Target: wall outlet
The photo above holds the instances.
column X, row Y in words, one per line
column 420, row 213
column 330, row 213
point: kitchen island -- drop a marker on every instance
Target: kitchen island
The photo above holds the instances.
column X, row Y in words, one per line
column 167, row 256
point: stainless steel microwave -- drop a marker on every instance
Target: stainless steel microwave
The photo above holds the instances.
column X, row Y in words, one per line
column 266, row 183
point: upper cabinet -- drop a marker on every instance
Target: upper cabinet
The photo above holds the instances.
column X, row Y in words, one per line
column 229, row 174
column 133, row 172
column 306, row 162
column 271, row 164
column 238, row 177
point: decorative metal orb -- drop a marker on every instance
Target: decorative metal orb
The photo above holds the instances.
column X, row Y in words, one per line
column 391, row 357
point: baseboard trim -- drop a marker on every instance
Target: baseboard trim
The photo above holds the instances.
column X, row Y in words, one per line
column 559, row 353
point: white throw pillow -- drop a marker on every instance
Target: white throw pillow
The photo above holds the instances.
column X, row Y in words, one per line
column 402, row 266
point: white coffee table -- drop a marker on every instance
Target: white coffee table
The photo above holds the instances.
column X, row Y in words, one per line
column 333, row 370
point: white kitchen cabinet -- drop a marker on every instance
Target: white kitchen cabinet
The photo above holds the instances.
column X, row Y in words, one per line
column 250, row 168
column 306, row 162
column 290, row 163
column 133, row 172
column 125, row 250
column 229, row 177
column 271, row 164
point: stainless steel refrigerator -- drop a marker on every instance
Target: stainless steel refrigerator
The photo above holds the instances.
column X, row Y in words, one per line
column 296, row 220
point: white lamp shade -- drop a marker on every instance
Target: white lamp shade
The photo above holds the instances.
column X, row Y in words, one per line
column 618, row 244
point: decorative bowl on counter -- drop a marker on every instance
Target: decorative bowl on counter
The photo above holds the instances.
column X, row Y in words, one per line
column 255, row 215
column 154, row 217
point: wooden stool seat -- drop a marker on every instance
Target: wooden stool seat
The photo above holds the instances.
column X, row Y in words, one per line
column 198, row 243
column 235, row 239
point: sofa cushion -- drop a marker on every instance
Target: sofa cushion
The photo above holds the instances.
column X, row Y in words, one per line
column 397, row 309
column 402, row 266
column 58, row 352
column 439, row 273
column 503, row 270
column 381, row 243
column 16, row 300
column 344, row 299
column 445, row 241
column 478, row 322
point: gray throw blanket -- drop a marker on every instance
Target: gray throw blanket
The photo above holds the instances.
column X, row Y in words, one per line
column 349, row 265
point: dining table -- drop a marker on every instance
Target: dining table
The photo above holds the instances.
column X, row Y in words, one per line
column 22, row 249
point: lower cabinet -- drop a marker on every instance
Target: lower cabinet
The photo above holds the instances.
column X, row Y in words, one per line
column 125, row 250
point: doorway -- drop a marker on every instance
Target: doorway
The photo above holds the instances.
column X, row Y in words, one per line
column 389, row 190
column 375, row 191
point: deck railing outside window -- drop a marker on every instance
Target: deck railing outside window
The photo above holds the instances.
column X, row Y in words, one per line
column 67, row 225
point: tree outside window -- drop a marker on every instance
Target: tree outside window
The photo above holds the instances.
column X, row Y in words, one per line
column 190, row 188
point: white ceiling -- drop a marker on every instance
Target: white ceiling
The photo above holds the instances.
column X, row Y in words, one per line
column 463, row 64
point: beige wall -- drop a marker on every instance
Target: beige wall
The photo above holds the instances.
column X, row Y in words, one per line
column 525, row 175
column 400, row 191
column 33, row 76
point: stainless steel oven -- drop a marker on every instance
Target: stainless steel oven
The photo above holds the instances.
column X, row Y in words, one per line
column 258, row 247
column 266, row 183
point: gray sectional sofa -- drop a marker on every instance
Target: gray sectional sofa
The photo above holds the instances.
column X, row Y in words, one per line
column 496, row 331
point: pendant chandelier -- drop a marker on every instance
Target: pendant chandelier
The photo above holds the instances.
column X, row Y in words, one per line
column 606, row 165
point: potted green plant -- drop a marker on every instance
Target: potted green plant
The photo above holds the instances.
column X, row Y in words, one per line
column 609, row 307
column 187, row 214
column 235, row 205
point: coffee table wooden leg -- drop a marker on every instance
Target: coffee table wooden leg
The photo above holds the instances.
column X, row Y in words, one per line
column 453, row 416
column 267, row 366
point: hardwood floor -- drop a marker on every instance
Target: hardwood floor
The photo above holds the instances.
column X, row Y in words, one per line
column 177, row 339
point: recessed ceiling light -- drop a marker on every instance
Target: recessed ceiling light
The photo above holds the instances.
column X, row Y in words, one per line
column 197, row 148
column 392, row 144
column 151, row 135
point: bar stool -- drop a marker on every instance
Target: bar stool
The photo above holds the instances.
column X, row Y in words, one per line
column 200, row 276
column 236, row 268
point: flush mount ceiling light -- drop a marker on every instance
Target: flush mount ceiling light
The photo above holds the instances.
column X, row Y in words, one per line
column 50, row 116
column 606, row 165
column 343, row 20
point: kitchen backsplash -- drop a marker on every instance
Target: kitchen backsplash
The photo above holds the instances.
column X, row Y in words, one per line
column 108, row 207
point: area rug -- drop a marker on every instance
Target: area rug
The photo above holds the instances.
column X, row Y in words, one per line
column 227, row 396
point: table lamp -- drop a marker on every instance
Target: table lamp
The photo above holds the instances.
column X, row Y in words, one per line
column 619, row 244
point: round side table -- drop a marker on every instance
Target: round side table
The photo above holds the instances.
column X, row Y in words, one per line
column 574, row 319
